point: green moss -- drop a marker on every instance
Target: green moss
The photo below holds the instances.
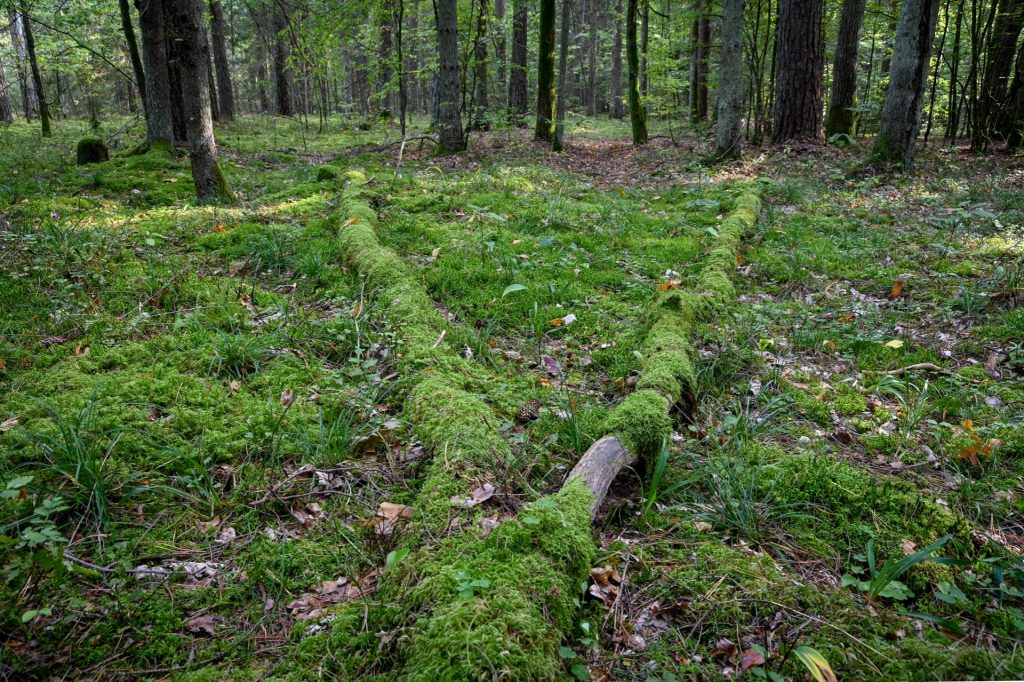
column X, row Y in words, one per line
column 91, row 150
column 642, row 422
column 850, row 402
column 327, row 173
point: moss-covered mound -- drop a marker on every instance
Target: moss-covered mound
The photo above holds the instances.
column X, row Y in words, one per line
column 91, row 150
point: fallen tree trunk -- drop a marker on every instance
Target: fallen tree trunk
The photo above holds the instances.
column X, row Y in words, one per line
column 599, row 466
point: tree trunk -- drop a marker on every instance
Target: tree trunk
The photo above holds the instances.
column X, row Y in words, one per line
column 994, row 104
column 282, row 79
column 128, row 26
column 592, row 46
column 637, row 114
column 563, row 72
column 159, row 124
column 225, row 91
column 6, row 110
column 700, row 37
column 449, row 122
column 385, row 72
column 1015, row 134
column 29, row 101
column 618, row 111
column 481, row 68
column 546, row 73
column 901, row 113
column 500, row 56
column 645, row 35
column 517, row 94
column 953, row 124
column 730, row 84
column 800, row 63
column 262, row 95
column 37, row 77
column 214, row 104
column 841, row 117
column 187, row 30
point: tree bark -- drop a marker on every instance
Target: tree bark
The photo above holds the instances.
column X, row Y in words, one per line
column 1015, row 134
column 282, row 79
column 385, row 72
column 6, row 110
column 563, row 72
column 637, row 113
column 500, row 56
column 618, row 110
column 481, row 68
column 187, row 30
column 517, row 93
column 546, row 73
column 700, row 37
column 994, row 104
column 128, row 26
column 730, row 85
column 841, row 117
column 800, row 63
column 29, row 101
column 599, row 466
column 592, row 48
column 225, row 91
column 159, row 125
column 901, row 112
column 37, row 77
column 451, row 138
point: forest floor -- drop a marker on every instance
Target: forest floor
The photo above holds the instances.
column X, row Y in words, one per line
column 205, row 450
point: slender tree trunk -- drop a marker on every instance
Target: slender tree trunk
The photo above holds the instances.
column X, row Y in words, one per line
column 262, row 94
column 841, row 117
column 214, row 104
column 159, row 124
column 187, row 30
column 545, row 129
column 637, row 113
column 225, row 91
column 128, row 26
column 592, row 47
column 385, row 72
column 953, row 124
column 645, row 40
column 618, row 110
column 517, row 94
column 282, row 79
column 481, row 68
column 563, row 72
column 799, row 66
column 29, row 100
column 901, row 113
column 6, row 110
column 1015, row 135
column 449, row 119
column 37, row 77
column 700, row 50
column 500, row 56
column 728, row 134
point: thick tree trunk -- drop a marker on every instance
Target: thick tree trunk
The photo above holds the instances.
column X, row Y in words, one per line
column 29, row 100
column 618, row 110
column 6, row 110
column 128, row 26
column 545, row 129
column 637, row 113
column 517, row 93
column 800, row 63
column 841, row 117
column 282, row 77
column 159, row 124
column 563, row 72
column 449, row 122
column 187, row 30
column 901, row 113
column 730, row 84
column 1015, row 133
column 225, row 91
column 481, row 68
column 994, row 104
column 37, row 77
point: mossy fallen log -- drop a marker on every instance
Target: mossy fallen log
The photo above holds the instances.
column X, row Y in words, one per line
column 499, row 606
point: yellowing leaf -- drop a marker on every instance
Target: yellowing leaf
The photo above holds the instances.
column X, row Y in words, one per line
column 219, row 228
column 350, row 222
column 895, row 343
column 670, row 284
column 815, row 663
column 897, row 288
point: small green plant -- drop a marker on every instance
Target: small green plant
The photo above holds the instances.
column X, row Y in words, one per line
column 237, row 356
column 883, row 582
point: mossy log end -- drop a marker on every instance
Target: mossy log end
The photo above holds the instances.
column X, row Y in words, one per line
column 599, row 466
column 91, row 150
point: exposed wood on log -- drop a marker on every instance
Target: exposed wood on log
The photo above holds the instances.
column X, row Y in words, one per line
column 599, row 466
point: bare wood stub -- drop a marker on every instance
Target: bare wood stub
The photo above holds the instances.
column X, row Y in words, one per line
column 599, row 466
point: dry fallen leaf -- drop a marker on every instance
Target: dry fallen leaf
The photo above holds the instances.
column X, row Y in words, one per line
column 724, row 647
column 897, row 288
column 206, row 625
column 670, row 284
column 8, row 424
column 350, row 222
column 287, row 397
column 478, row 496
column 751, row 659
column 605, row 585
column 908, row 547
column 233, row 388
column 391, row 515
